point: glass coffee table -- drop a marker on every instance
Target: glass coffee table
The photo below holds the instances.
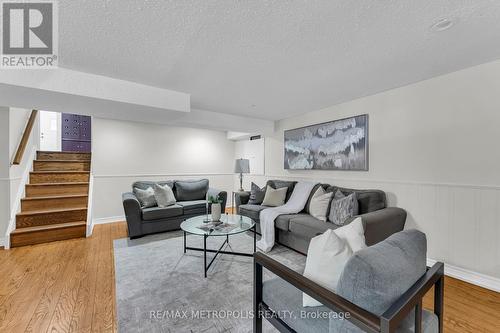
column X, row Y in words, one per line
column 231, row 225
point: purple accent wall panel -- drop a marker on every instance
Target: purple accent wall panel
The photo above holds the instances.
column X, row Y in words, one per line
column 76, row 132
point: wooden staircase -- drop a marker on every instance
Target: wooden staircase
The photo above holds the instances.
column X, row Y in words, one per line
column 55, row 206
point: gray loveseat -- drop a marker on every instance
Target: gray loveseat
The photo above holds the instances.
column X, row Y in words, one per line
column 296, row 230
column 191, row 196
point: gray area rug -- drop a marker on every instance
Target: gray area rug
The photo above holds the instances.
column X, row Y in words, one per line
column 161, row 289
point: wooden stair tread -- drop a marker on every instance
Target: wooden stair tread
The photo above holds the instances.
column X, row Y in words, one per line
column 64, row 171
column 48, row 211
column 55, row 205
column 59, row 184
column 44, row 197
column 63, row 161
column 63, row 152
column 49, row 227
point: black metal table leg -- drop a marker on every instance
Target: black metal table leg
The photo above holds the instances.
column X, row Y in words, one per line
column 255, row 238
column 206, row 264
column 184, row 242
column 205, row 254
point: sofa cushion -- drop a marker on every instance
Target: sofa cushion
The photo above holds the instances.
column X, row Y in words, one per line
column 282, row 222
column 281, row 296
column 326, row 257
column 274, row 197
column 143, row 184
column 343, row 207
column 156, row 213
column 375, row 277
column 306, row 226
column 368, row 200
column 192, row 206
column 282, row 183
column 251, row 211
column 315, row 188
column 319, row 204
column 257, row 194
column 187, row 190
column 146, row 197
column 164, row 195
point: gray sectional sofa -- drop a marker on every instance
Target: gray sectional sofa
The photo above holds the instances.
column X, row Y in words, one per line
column 296, row 230
column 191, row 196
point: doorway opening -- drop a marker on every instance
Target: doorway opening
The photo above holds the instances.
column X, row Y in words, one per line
column 65, row 132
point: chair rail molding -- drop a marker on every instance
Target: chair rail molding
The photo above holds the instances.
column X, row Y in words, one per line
column 149, row 175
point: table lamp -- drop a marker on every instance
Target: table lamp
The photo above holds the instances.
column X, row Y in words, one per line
column 241, row 166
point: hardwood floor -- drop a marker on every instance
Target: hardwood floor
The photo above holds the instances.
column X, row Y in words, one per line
column 68, row 286
column 65, row 286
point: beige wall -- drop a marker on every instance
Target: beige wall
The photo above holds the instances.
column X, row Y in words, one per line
column 433, row 146
column 124, row 152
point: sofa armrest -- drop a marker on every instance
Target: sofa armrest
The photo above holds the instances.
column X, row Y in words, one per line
column 133, row 214
column 382, row 223
column 241, row 198
column 221, row 195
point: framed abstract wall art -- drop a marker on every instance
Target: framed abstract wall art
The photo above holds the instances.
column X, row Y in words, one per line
column 335, row 145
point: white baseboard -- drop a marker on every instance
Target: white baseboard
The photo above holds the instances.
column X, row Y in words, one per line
column 111, row 219
column 103, row 220
column 477, row 279
column 2, row 241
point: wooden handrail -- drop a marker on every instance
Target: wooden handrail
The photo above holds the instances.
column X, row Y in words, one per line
column 24, row 140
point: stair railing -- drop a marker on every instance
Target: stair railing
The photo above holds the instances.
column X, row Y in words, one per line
column 25, row 138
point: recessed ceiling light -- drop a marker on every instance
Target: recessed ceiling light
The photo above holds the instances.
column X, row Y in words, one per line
column 442, row 24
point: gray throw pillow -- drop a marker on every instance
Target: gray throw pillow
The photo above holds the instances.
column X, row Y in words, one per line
column 146, row 197
column 257, row 194
column 164, row 195
column 343, row 207
column 274, row 197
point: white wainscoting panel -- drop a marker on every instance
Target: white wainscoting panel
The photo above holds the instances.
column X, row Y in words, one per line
column 108, row 189
column 461, row 221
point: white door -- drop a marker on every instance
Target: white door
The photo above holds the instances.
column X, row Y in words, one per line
column 50, row 131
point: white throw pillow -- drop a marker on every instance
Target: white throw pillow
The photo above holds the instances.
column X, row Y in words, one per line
column 319, row 204
column 274, row 197
column 354, row 234
column 326, row 258
column 329, row 252
column 164, row 195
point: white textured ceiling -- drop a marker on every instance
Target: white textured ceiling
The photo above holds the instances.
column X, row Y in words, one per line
column 284, row 57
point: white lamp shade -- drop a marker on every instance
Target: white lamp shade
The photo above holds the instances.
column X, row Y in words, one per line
column 242, row 165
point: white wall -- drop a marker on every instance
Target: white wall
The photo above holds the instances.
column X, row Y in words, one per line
column 13, row 177
column 433, row 146
column 4, row 172
column 123, row 152
column 254, row 151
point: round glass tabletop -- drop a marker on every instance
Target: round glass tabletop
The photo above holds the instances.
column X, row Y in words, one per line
column 231, row 224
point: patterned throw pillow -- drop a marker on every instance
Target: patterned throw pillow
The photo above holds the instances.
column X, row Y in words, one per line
column 146, row 197
column 257, row 194
column 343, row 207
column 164, row 195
